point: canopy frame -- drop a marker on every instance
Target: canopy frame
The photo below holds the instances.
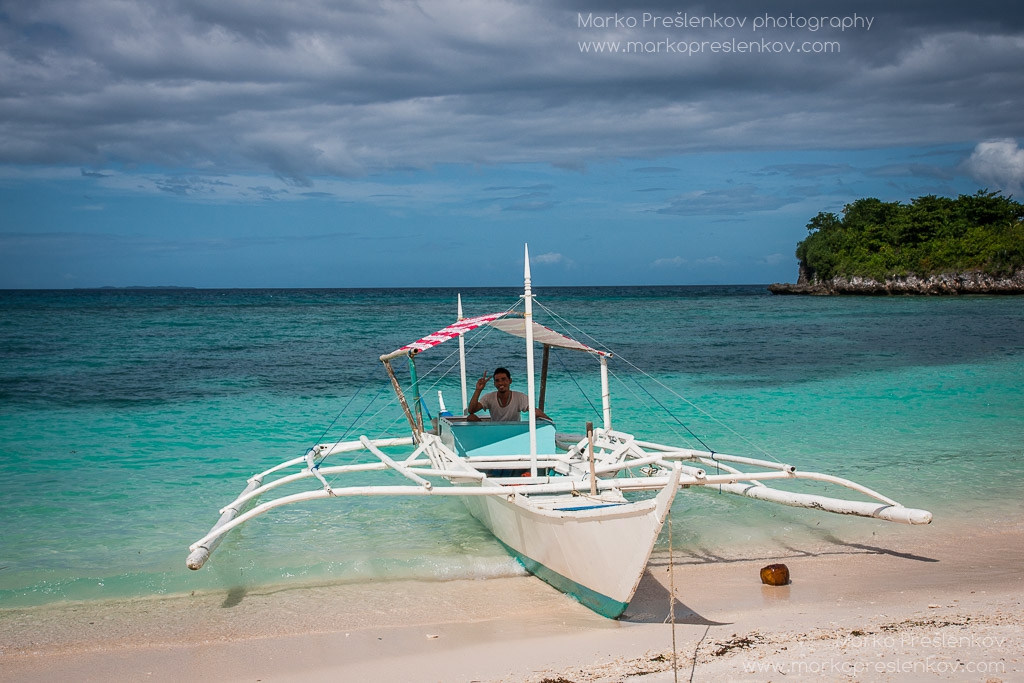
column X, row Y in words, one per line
column 515, row 323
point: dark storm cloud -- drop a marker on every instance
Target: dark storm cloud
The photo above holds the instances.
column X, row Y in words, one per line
column 315, row 88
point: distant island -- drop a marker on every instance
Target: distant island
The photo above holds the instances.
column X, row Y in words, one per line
column 973, row 244
column 140, row 287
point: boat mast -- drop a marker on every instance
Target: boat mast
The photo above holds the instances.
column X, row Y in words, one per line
column 606, row 396
column 462, row 362
column 528, row 315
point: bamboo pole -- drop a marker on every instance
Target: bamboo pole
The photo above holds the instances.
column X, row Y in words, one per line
column 402, row 469
column 201, row 553
column 401, row 397
column 417, row 401
column 590, row 450
column 543, row 377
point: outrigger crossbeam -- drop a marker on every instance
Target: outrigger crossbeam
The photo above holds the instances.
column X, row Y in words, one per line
column 619, row 457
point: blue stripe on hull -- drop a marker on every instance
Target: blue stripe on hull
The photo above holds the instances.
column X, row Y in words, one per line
column 601, row 604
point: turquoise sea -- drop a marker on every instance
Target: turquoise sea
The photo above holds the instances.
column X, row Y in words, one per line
column 129, row 416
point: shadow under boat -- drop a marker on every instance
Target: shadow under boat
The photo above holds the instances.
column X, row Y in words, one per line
column 650, row 605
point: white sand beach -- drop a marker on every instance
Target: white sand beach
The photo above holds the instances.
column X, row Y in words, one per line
column 920, row 605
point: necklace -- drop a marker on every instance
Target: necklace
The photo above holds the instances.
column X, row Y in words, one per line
column 507, row 401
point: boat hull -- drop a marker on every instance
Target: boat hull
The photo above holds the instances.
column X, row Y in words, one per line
column 595, row 553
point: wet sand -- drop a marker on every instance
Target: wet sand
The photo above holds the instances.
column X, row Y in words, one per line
column 916, row 604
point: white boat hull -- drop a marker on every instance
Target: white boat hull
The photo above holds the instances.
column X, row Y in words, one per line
column 595, row 551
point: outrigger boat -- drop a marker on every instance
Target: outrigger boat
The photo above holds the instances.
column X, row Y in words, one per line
column 558, row 505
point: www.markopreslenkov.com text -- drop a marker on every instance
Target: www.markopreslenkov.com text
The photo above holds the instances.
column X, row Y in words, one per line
column 710, row 46
column 831, row 666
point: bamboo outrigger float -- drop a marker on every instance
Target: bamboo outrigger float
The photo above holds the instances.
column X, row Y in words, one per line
column 558, row 507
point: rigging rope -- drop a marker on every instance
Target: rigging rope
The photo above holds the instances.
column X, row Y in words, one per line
column 640, row 400
column 710, row 450
column 673, row 416
column 352, row 424
column 599, row 345
column 672, row 599
column 583, row 393
column 343, row 409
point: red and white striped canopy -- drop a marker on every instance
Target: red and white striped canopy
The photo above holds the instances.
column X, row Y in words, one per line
column 510, row 323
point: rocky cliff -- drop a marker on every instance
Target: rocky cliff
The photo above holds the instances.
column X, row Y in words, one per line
column 973, row 282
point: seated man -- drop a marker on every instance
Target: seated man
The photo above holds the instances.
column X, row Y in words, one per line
column 504, row 405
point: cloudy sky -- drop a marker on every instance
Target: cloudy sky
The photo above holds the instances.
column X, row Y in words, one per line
column 251, row 143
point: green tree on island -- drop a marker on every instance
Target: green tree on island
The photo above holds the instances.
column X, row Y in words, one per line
column 929, row 236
